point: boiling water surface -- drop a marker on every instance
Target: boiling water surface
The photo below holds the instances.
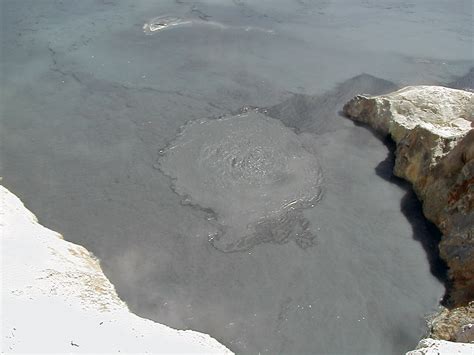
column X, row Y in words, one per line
column 196, row 148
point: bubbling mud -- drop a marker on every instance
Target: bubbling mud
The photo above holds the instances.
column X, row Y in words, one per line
column 252, row 172
column 164, row 22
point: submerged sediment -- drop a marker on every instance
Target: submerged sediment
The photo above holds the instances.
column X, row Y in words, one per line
column 432, row 127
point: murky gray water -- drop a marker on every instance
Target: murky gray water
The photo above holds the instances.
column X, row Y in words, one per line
column 92, row 107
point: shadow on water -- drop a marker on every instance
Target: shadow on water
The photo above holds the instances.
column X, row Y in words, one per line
column 425, row 232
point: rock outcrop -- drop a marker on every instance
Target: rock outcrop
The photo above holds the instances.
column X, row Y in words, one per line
column 55, row 298
column 432, row 127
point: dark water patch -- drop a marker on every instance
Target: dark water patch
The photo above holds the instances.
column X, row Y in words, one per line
column 318, row 113
column 465, row 82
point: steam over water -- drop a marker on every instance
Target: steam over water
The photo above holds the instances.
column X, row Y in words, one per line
column 279, row 230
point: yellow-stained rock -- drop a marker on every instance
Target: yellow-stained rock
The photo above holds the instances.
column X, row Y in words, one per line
column 432, row 127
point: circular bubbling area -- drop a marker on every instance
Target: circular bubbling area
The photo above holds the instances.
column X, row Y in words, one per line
column 253, row 172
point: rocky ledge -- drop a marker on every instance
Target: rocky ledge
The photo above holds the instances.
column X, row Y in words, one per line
column 432, row 127
column 56, row 299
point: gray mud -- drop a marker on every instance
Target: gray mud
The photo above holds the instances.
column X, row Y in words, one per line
column 252, row 172
column 91, row 106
